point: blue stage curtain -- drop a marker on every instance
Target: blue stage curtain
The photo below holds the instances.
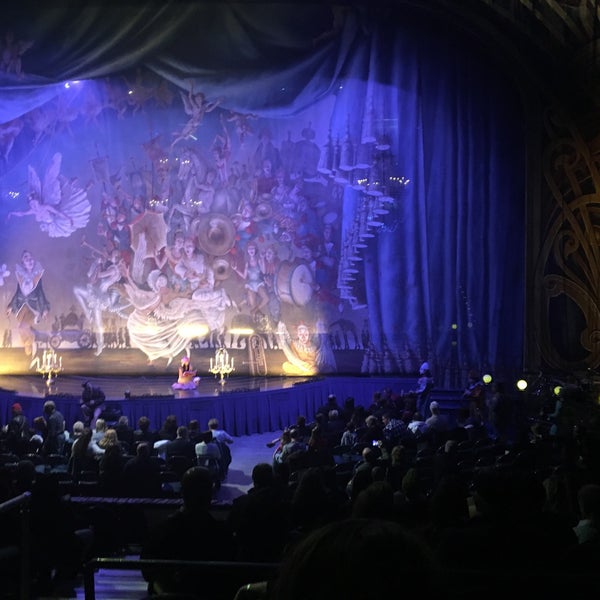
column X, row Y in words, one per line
column 444, row 277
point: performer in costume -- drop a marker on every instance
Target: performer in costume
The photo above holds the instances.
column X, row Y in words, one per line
column 187, row 379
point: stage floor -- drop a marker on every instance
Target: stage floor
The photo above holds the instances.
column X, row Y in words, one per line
column 115, row 388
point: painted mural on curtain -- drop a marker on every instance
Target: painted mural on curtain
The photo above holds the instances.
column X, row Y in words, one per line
column 142, row 217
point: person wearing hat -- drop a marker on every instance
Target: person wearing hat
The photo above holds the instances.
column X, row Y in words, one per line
column 17, row 432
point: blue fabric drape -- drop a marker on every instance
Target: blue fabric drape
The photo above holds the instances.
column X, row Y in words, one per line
column 443, row 277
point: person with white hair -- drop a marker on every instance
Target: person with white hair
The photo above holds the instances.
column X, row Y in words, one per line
column 437, row 422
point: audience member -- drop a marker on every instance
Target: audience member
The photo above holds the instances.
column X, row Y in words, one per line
column 437, row 425
column 583, row 557
column 588, row 500
column 420, row 395
column 357, row 559
column 361, row 474
column 334, row 428
column 448, row 507
column 109, row 438
column 55, row 436
column 168, row 431
column 296, row 444
column 331, row 404
column 76, row 431
column 400, row 462
column 474, row 394
column 144, row 433
column 500, row 413
column 313, row 504
column 302, row 427
column 17, row 433
column 110, row 470
column 223, row 440
column 99, row 430
column 220, row 435
column 38, row 435
column 348, row 409
column 191, row 533
column 411, row 502
column 349, row 436
column 125, row 433
column 141, row 475
column 84, row 455
column 58, row 545
column 281, row 442
column 417, row 425
column 208, row 454
column 260, row 519
column 376, row 501
column 510, row 530
column 393, row 430
column 194, row 432
column 181, row 445
column 379, row 405
column 373, row 431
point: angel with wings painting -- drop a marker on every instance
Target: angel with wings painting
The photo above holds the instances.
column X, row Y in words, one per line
column 195, row 106
column 58, row 204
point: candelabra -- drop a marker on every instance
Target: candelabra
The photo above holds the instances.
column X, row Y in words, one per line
column 222, row 364
column 50, row 366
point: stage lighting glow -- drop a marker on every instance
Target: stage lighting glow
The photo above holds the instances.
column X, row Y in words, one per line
column 557, row 390
column 454, row 326
column 487, row 379
column 147, row 329
column 522, row 385
column 241, row 331
column 191, row 331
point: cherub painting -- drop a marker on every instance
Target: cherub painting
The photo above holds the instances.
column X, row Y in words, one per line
column 196, row 106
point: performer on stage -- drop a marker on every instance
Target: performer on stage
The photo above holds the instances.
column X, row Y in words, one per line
column 187, row 379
